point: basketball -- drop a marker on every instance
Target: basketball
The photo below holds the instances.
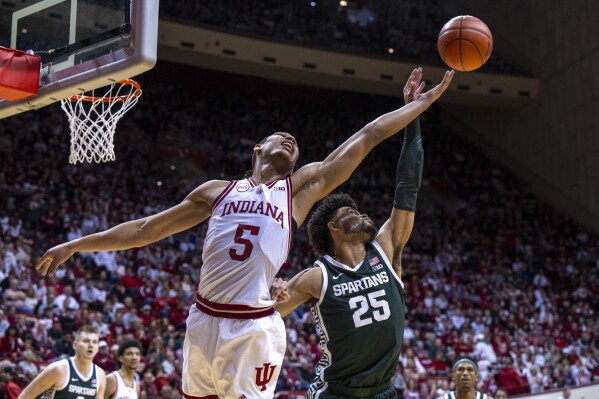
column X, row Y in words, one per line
column 465, row 43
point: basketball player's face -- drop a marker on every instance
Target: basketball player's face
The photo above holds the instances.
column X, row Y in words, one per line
column 283, row 146
column 86, row 345
column 501, row 395
column 352, row 222
column 465, row 376
column 130, row 358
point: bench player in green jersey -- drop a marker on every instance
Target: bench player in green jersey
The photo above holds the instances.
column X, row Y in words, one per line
column 355, row 288
column 465, row 375
column 72, row 378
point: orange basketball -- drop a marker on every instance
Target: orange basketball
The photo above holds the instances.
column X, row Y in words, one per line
column 465, row 43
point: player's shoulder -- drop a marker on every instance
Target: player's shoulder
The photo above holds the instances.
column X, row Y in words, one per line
column 304, row 174
column 57, row 369
column 209, row 190
column 216, row 184
column 101, row 372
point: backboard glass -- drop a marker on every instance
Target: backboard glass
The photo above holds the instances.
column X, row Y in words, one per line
column 84, row 44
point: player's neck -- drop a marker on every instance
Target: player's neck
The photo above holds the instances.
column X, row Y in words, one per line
column 465, row 394
column 83, row 365
column 350, row 253
column 265, row 174
column 128, row 375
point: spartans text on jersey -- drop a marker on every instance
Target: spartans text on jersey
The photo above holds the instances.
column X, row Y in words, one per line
column 82, row 390
column 361, row 284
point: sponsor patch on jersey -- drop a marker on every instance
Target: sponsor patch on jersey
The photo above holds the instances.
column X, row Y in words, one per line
column 241, row 187
column 279, row 188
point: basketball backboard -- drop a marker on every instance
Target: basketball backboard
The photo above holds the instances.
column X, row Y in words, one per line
column 84, row 44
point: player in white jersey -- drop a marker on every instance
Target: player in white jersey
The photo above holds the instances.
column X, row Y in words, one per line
column 465, row 375
column 245, row 246
column 122, row 384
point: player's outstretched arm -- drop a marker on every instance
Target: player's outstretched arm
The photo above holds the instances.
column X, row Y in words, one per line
column 194, row 209
column 304, row 286
column 394, row 234
column 51, row 376
column 314, row 181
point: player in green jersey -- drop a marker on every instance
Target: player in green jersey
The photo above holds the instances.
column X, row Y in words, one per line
column 76, row 377
column 465, row 375
column 355, row 288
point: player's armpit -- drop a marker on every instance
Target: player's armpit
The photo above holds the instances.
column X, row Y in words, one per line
column 303, row 287
column 394, row 235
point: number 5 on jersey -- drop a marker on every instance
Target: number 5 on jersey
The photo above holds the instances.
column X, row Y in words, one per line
column 242, row 254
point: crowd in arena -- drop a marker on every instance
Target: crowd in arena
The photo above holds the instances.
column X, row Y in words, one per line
column 396, row 30
column 490, row 270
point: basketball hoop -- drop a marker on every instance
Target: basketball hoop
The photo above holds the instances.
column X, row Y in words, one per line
column 93, row 119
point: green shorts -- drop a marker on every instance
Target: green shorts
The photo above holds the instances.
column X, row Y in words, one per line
column 388, row 394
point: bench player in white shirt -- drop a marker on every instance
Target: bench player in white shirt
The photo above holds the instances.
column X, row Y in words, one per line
column 121, row 383
column 235, row 342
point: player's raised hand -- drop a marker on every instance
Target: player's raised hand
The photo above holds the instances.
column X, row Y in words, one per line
column 53, row 258
column 433, row 94
column 413, row 86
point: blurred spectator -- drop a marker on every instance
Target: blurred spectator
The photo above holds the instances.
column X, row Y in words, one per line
column 13, row 296
column 8, row 387
column 66, row 299
column 511, row 380
column 105, row 359
column 4, row 324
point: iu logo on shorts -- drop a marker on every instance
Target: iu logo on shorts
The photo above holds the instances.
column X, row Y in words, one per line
column 264, row 374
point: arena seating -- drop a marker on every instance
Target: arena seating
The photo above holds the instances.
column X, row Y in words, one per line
column 489, row 269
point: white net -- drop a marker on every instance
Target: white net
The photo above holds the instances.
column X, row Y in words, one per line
column 93, row 120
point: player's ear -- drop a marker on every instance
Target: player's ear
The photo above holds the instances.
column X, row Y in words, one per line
column 332, row 226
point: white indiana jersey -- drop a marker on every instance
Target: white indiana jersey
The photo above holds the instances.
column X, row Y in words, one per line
column 122, row 390
column 248, row 240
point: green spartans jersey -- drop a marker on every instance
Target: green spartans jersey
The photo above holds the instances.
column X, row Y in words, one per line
column 76, row 386
column 360, row 313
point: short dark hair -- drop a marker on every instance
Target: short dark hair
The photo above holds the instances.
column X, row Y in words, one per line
column 318, row 231
column 129, row 343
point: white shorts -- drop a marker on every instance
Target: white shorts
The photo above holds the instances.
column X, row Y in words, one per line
column 232, row 358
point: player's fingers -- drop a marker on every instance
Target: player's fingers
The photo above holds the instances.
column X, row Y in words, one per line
column 419, row 89
column 43, row 265
column 445, row 82
column 278, row 286
column 52, row 268
column 448, row 76
column 41, row 262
